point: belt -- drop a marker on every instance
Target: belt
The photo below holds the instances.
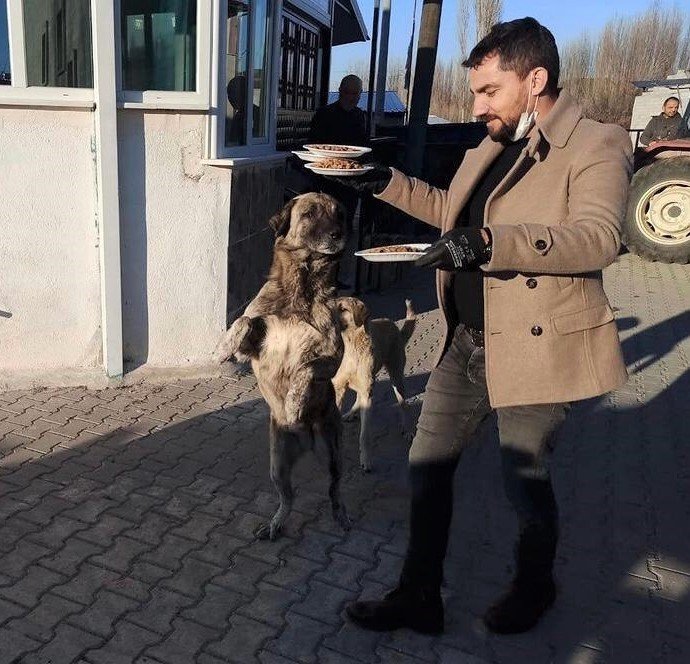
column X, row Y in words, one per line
column 476, row 336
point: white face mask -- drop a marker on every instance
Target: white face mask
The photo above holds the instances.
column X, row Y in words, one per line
column 526, row 121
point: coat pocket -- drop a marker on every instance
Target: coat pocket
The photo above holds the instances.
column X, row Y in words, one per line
column 586, row 319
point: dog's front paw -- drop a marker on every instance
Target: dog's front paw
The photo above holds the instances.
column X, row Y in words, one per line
column 340, row 517
column 268, row 531
column 233, row 340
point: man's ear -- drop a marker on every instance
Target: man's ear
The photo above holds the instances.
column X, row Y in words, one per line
column 280, row 221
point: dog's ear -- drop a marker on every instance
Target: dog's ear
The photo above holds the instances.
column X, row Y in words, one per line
column 359, row 312
column 280, row 221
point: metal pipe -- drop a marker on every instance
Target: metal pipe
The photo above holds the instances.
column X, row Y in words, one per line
column 382, row 73
column 372, row 71
column 423, row 83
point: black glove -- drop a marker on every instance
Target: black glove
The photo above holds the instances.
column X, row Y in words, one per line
column 458, row 249
column 373, row 181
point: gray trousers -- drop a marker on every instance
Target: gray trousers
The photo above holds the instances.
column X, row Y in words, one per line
column 455, row 403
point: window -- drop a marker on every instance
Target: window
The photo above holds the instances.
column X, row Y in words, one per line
column 52, row 30
column 5, row 75
column 297, row 86
column 246, row 38
column 159, row 45
column 164, row 54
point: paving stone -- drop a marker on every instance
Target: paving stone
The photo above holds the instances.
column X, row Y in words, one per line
column 100, row 617
column 123, row 647
column 220, row 548
column 70, row 557
column 67, row 645
column 121, row 555
column 28, row 590
column 170, row 553
column 40, row 622
column 243, row 641
column 14, row 645
column 159, row 612
column 270, row 604
column 192, row 577
column 185, row 641
column 300, row 639
column 216, row 607
column 88, row 581
column 24, row 554
column 294, row 573
column 244, row 574
column 104, row 531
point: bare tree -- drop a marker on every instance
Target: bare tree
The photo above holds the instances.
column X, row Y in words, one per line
column 486, row 14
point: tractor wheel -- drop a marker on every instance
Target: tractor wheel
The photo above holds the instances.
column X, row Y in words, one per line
column 657, row 223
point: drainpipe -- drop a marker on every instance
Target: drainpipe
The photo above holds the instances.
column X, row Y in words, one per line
column 108, row 210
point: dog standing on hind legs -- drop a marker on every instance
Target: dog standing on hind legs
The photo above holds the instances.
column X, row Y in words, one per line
column 370, row 345
column 291, row 333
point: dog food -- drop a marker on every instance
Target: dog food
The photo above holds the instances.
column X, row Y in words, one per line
column 345, row 164
column 334, row 148
column 395, row 249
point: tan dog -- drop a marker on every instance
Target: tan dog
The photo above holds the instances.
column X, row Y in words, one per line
column 291, row 333
column 370, row 345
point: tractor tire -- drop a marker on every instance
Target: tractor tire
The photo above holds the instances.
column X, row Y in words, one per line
column 657, row 222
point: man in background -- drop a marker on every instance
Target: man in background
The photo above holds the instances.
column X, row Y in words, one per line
column 667, row 126
column 341, row 122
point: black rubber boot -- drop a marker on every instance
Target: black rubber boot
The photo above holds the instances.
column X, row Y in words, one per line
column 420, row 610
column 532, row 591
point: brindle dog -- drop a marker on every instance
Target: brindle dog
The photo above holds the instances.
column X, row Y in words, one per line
column 291, row 334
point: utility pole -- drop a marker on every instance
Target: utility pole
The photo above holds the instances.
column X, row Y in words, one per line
column 427, row 48
column 371, row 125
column 382, row 73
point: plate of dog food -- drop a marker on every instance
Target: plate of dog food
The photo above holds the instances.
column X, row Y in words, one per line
column 337, row 166
column 305, row 155
column 393, row 253
column 332, row 150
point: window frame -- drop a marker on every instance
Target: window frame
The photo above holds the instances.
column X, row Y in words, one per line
column 19, row 92
column 171, row 99
column 255, row 147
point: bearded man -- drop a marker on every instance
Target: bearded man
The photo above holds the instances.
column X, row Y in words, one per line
column 528, row 222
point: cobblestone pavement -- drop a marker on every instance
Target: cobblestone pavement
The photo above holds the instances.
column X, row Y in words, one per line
column 127, row 516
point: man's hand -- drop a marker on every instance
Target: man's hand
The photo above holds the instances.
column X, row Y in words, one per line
column 458, row 249
column 373, row 181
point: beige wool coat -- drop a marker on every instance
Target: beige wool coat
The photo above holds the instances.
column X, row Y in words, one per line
column 555, row 219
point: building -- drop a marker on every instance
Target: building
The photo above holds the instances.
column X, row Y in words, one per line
column 137, row 182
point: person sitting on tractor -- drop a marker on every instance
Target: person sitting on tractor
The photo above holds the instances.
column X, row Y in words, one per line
column 667, row 126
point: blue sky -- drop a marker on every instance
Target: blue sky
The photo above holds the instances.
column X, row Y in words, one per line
column 565, row 19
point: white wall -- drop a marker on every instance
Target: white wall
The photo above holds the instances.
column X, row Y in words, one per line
column 49, row 274
column 174, row 216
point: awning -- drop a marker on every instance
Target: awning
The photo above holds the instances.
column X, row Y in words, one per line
column 348, row 24
column 663, row 83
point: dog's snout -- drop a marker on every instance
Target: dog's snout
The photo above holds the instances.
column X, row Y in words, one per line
column 336, row 235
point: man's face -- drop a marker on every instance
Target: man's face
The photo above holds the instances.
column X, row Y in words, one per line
column 349, row 95
column 500, row 97
column 671, row 108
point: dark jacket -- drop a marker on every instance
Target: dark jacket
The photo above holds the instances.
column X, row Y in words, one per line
column 333, row 124
column 662, row 128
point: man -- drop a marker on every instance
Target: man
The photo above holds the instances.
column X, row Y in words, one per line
column 666, row 126
column 529, row 221
column 341, row 122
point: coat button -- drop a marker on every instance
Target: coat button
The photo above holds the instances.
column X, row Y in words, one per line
column 536, row 331
column 540, row 244
column 531, row 283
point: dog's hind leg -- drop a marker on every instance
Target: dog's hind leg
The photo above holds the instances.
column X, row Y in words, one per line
column 397, row 377
column 330, row 433
column 285, row 449
column 364, row 434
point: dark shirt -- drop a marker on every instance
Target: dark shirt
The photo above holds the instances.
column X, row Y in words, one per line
column 662, row 128
column 333, row 124
column 468, row 285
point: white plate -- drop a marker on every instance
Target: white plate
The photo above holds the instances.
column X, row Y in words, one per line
column 340, row 172
column 305, row 155
column 393, row 257
column 357, row 151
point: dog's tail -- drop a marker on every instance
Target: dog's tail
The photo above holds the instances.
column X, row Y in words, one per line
column 409, row 323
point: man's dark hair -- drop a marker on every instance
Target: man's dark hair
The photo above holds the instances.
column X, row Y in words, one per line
column 522, row 45
column 671, row 99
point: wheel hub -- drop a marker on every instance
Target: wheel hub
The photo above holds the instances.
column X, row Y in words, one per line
column 663, row 213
